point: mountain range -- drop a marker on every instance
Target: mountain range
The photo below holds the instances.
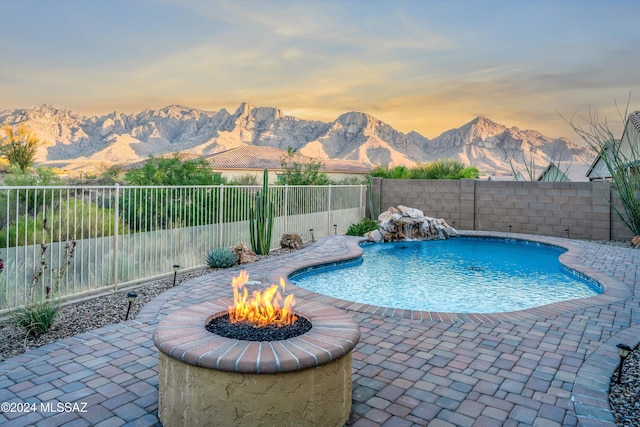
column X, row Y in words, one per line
column 77, row 142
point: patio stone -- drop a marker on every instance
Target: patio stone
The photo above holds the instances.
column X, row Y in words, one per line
column 546, row 367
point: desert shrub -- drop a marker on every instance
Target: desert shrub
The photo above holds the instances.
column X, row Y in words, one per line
column 147, row 209
column 174, row 170
column 70, row 220
column 26, row 231
column 221, row 258
column 36, row 318
column 444, row 169
column 295, row 172
column 19, row 146
column 438, row 169
column 362, row 227
column 398, row 172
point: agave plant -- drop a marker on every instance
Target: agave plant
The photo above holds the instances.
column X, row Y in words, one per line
column 221, row 258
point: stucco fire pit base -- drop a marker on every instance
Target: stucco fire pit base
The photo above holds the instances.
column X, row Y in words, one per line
column 208, row 380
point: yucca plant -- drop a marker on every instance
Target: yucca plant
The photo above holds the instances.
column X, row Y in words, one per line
column 221, row 258
column 261, row 219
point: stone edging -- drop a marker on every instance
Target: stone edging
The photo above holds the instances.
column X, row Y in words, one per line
column 614, row 290
column 590, row 394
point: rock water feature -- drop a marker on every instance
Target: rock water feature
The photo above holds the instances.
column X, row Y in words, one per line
column 206, row 379
column 403, row 223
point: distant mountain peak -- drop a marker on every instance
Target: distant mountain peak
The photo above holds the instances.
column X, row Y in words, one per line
column 70, row 139
column 482, row 120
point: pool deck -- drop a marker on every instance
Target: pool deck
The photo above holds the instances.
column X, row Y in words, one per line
column 548, row 366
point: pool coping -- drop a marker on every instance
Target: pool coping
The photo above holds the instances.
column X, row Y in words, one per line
column 613, row 290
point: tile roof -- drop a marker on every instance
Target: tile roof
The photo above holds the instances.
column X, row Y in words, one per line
column 181, row 155
column 259, row 157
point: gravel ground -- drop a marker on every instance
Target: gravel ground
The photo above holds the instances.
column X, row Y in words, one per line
column 77, row 318
column 624, row 398
column 81, row 317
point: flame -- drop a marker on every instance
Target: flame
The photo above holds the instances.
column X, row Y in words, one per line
column 264, row 307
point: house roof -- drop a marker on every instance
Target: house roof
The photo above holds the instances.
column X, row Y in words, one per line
column 633, row 122
column 259, row 158
column 253, row 157
column 606, row 150
column 181, row 155
column 505, row 177
column 574, row 172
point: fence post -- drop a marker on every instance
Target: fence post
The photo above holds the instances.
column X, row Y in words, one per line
column 115, row 238
column 220, row 215
column 329, row 211
column 286, row 208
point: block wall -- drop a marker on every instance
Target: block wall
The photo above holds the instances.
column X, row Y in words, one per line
column 579, row 210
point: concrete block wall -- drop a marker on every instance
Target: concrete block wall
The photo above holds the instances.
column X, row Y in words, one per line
column 576, row 209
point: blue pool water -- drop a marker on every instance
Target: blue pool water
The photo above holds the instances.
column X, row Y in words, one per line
column 461, row 275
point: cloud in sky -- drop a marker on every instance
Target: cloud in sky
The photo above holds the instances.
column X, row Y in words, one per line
column 424, row 66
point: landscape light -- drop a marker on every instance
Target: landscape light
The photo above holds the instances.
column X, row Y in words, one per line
column 335, row 228
column 567, row 231
column 312, row 239
column 175, row 273
column 131, row 297
column 510, row 228
column 623, row 352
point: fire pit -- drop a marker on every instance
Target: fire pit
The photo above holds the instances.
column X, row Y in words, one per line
column 208, row 379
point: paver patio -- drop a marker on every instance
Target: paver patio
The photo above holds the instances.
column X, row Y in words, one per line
column 548, row 366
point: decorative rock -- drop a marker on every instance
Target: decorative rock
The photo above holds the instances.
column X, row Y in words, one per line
column 412, row 212
column 388, row 214
column 374, row 236
column 245, row 255
column 636, row 242
column 291, row 241
column 406, row 223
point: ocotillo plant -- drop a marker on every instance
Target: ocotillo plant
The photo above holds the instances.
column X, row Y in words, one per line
column 261, row 219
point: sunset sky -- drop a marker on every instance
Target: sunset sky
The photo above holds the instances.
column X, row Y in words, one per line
column 426, row 66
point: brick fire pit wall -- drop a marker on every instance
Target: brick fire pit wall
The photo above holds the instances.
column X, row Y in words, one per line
column 209, row 380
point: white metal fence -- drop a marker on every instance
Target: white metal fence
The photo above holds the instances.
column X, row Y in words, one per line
column 62, row 241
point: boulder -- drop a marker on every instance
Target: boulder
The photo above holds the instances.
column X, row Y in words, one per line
column 405, row 223
column 636, row 242
column 291, row 241
column 411, row 212
column 387, row 215
column 374, row 236
column 245, row 255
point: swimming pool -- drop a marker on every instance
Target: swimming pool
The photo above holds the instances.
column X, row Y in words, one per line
column 461, row 275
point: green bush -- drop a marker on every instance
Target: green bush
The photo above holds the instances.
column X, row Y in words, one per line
column 221, row 258
column 444, row 169
column 174, row 170
column 438, row 169
column 36, row 318
column 26, row 231
column 398, row 172
column 362, row 227
column 70, row 220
